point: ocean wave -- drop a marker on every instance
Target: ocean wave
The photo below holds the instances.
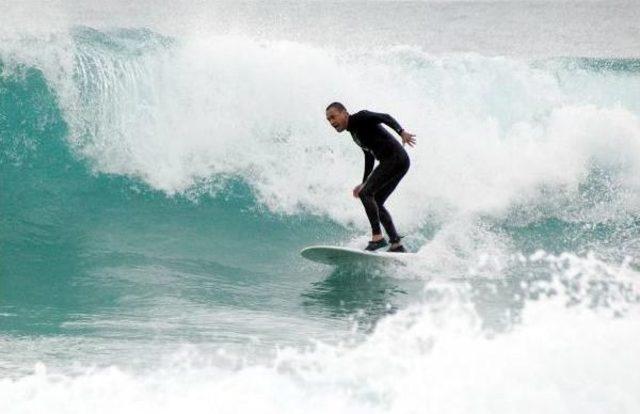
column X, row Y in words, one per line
column 176, row 113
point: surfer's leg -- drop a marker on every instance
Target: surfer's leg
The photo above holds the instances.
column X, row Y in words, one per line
column 376, row 180
column 384, row 193
column 387, row 223
column 379, row 185
column 383, row 213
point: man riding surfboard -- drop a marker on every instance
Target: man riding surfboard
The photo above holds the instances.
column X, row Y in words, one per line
column 377, row 184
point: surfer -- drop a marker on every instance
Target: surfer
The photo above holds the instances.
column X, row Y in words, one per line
column 377, row 184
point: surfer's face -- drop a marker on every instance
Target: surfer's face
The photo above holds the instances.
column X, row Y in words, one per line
column 337, row 118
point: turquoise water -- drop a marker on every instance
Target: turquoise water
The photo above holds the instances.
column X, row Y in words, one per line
column 157, row 187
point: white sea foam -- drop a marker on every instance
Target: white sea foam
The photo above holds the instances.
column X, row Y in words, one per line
column 430, row 357
column 492, row 132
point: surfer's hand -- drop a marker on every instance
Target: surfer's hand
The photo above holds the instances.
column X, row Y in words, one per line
column 356, row 190
column 408, row 138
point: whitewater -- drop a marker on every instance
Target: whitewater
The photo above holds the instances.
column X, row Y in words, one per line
column 161, row 168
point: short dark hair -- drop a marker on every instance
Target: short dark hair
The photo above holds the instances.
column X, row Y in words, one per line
column 336, row 105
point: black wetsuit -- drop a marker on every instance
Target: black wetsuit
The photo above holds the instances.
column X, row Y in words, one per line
column 377, row 143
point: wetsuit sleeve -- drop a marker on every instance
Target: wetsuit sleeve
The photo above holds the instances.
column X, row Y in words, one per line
column 384, row 119
column 368, row 165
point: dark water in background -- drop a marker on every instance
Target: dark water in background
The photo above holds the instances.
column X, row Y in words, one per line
column 159, row 177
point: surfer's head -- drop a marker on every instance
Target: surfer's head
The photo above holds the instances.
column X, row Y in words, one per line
column 337, row 116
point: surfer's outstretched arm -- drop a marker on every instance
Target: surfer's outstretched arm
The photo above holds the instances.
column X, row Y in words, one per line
column 407, row 137
column 384, row 119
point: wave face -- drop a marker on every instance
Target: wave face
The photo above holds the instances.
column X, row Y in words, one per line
column 156, row 190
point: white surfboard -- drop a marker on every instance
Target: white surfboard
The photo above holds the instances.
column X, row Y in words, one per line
column 343, row 256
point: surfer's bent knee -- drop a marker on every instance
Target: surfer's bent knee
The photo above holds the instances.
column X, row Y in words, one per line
column 365, row 193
